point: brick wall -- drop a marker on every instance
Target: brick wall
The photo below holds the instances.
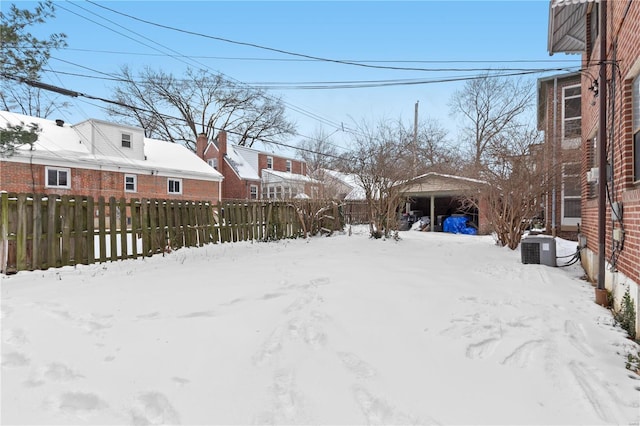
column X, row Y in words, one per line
column 623, row 32
column 22, row 177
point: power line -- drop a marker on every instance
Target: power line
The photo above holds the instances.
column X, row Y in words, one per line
column 294, row 108
column 257, row 46
column 72, row 93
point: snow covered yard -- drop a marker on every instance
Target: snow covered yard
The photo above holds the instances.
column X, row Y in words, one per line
column 433, row 329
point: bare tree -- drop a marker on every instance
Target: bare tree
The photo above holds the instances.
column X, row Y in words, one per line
column 382, row 166
column 23, row 56
column 318, row 151
column 179, row 109
column 28, row 100
column 515, row 185
column 432, row 149
column 488, row 107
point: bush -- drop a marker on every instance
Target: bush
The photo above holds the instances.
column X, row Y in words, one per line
column 626, row 316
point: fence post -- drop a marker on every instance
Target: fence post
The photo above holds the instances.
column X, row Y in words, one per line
column 91, row 232
column 124, row 252
column 135, row 225
column 113, row 225
column 102, row 226
column 53, row 237
column 4, row 231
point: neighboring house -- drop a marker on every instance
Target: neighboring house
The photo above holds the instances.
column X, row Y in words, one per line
column 560, row 117
column 576, row 27
column 252, row 174
column 98, row 158
column 339, row 186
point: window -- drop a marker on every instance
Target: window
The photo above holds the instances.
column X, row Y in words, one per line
column 130, row 183
column 571, row 209
column 635, row 96
column 253, row 192
column 58, row 177
column 571, row 114
column 126, row 140
column 213, row 162
column 269, row 162
column 289, row 166
column 174, row 186
column 287, row 192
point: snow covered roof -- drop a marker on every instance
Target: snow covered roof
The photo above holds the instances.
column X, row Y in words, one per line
column 286, row 176
column 244, row 161
column 67, row 145
column 348, row 179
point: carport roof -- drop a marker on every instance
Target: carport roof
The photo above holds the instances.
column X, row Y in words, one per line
column 440, row 184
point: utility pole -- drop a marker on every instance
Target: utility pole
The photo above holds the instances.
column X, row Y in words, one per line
column 415, row 141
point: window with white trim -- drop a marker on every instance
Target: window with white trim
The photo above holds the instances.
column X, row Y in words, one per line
column 57, row 177
column 288, row 165
column 571, row 112
column 174, row 186
column 213, row 162
column 130, row 183
column 571, row 209
column 635, row 96
column 269, row 162
column 126, row 140
column 253, row 192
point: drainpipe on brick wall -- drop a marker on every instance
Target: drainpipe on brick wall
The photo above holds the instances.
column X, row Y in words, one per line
column 601, row 292
column 554, row 143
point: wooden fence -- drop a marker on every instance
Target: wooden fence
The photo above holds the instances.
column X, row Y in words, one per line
column 40, row 231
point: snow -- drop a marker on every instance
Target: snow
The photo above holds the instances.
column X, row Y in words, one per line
column 432, row 329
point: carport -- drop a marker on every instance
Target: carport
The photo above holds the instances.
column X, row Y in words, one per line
column 439, row 196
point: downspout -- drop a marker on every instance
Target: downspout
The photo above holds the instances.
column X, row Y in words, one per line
column 553, row 157
column 601, row 294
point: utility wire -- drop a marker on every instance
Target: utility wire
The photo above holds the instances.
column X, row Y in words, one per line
column 72, row 93
column 257, row 46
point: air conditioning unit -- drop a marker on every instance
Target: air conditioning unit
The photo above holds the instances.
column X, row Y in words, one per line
column 539, row 250
column 592, row 175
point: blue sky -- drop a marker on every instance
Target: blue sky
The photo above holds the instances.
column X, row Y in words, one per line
column 450, row 34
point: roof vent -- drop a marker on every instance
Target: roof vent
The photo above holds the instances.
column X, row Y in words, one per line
column 59, row 122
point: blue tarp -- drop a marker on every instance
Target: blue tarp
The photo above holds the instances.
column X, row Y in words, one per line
column 458, row 225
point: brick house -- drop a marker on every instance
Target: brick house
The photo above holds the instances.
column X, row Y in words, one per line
column 252, row 174
column 98, row 158
column 559, row 117
column 579, row 27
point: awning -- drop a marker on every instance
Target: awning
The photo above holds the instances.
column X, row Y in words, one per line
column 568, row 26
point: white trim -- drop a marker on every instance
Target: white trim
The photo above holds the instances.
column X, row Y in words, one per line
column 251, row 187
column 135, row 183
column 179, row 181
column 288, row 166
column 47, row 169
column 122, row 140
column 569, row 220
column 269, row 160
column 569, row 140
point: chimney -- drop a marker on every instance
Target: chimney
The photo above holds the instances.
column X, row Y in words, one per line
column 222, row 143
column 201, row 145
column 59, row 123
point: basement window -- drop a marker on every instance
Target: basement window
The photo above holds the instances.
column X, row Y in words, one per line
column 174, row 186
column 130, row 183
column 57, row 177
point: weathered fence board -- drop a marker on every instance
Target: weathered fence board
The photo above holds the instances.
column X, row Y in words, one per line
column 39, row 231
